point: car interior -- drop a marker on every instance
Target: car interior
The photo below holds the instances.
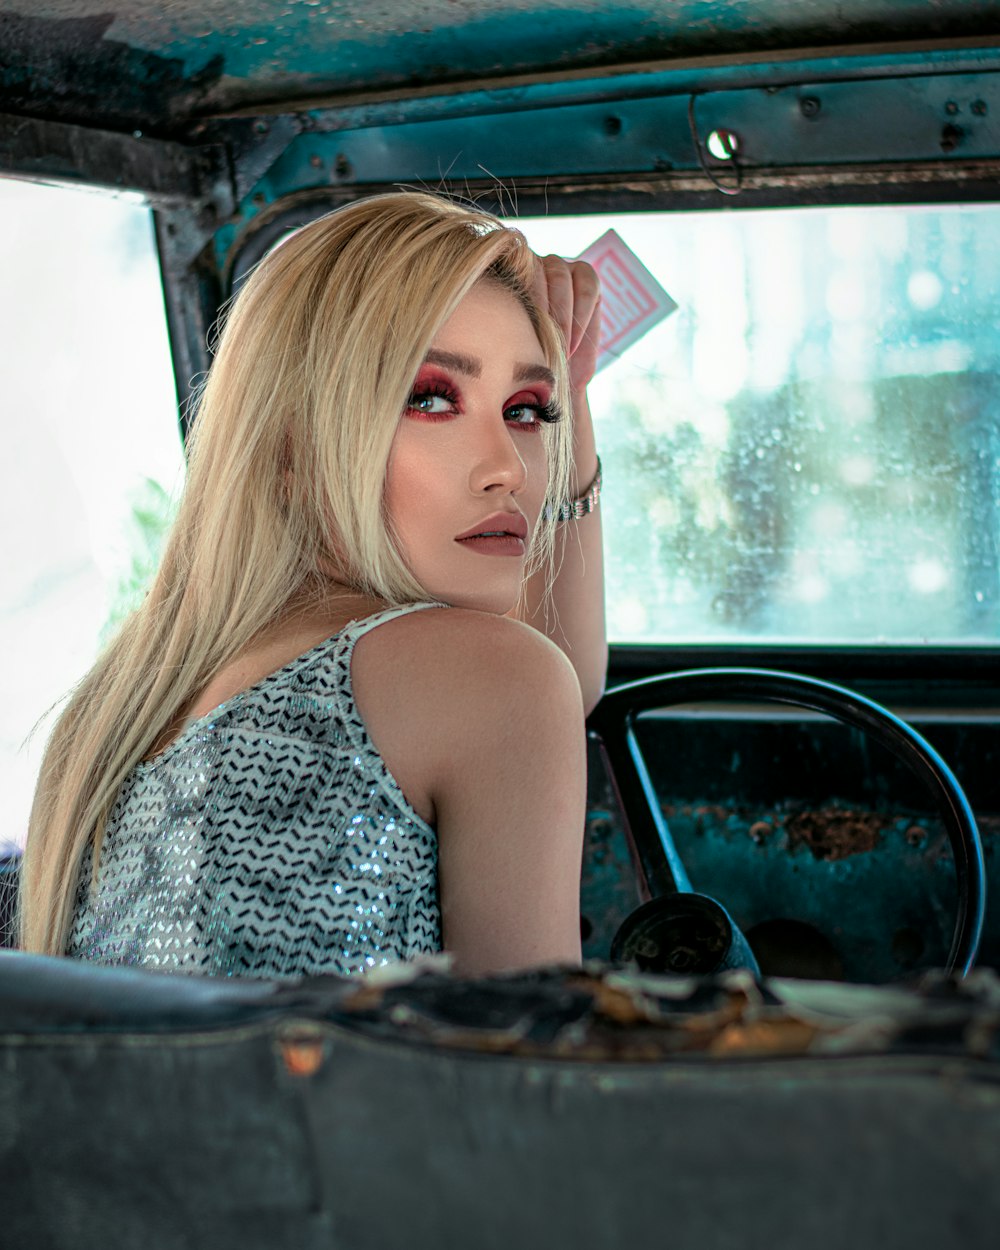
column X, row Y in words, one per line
column 787, row 1024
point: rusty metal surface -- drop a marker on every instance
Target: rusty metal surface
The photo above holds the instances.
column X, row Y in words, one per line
column 824, row 852
column 269, row 102
column 607, row 1014
column 130, row 62
column 598, row 1013
column 164, row 173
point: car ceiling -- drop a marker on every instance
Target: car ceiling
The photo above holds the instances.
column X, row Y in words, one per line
column 122, row 64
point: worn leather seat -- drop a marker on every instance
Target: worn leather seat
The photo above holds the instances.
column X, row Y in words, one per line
column 139, row 1109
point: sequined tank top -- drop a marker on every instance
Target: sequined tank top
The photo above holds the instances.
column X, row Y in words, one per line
column 268, row 840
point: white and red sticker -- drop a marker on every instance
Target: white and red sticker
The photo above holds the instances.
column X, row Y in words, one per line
column 632, row 301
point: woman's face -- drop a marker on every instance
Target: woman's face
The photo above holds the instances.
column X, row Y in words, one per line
column 467, row 471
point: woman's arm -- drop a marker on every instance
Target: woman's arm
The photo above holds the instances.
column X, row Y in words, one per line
column 573, row 617
column 511, row 809
column 479, row 719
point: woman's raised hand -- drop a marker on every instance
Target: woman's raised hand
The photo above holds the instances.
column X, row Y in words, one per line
column 571, row 292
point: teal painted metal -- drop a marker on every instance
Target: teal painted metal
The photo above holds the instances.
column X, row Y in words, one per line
column 676, row 79
column 883, row 911
column 143, row 63
column 929, row 118
column 356, row 94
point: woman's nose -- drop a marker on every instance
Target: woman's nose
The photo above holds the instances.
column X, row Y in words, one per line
column 497, row 463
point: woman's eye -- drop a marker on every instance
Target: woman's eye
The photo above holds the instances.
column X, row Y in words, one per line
column 531, row 416
column 522, row 414
column 430, row 405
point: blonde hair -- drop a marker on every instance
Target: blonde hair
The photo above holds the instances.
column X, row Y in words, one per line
column 286, row 471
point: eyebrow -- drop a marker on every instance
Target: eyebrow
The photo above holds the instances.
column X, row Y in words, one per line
column 534, row 373
column 473, row 368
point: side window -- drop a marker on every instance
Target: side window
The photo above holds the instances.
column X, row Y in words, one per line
column 92, row 452
column 808, row 449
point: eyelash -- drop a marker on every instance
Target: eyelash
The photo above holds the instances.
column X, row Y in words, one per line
column 432, row 390
column 545, row 414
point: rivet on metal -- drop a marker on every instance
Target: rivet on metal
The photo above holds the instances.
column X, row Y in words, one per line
column 723, row 144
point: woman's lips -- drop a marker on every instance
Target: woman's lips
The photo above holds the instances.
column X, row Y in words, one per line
column 502, row 534
column 494, row 544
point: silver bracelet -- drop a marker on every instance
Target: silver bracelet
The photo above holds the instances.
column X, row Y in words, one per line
column 574, row 509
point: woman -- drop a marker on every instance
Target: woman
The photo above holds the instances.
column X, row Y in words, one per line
column 292, row 759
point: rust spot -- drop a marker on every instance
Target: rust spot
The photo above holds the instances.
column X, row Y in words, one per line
column 302, row 1055
column 367, row 997
column 783, row 1036
column 706, row 1025
column 951, row 137
column 834, row 833
column 614, row 1002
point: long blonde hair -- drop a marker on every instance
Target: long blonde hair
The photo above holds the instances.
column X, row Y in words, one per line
column 286, row 468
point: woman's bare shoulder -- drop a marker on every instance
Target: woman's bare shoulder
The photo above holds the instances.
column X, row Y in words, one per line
column 453, row 647
column 480, row 720
column 446, row 693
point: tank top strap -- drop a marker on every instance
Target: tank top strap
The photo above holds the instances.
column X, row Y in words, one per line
column 354, row 630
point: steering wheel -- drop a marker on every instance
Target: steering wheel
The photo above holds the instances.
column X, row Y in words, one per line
column 614, row 723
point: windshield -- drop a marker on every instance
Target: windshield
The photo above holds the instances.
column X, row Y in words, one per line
column 808, row 449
